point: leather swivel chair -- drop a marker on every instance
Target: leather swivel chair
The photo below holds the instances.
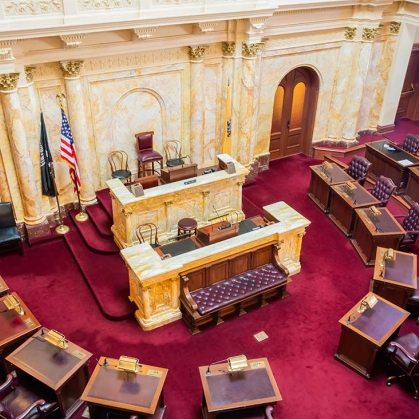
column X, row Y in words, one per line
column 358, row 169
column 29, row 400
column 383, row 190
column 404, row 353
column 251, row 413
column 118, row 161
column 9, row 234
column 146, row 154
column 411, row 225
column 411, row 143
column 147, row 233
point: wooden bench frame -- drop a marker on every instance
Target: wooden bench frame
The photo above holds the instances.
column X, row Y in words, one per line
column 223, row 269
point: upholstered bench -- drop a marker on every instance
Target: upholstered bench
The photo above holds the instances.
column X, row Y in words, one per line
column 207, row 296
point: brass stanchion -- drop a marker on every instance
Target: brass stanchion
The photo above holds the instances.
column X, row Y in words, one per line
column 62, row 228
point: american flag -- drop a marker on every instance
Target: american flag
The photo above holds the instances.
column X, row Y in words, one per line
column 68, row 150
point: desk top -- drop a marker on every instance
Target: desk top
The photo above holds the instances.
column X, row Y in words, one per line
column 356, row 197
column 394, row 152
column 177, row 248
column 47, row 363
column 3, row 286
column 382, row 224
column 253, row 386
column 14, row 326
column 402, row 271
column 376, row 324
column 331, row 176
column 111, row 387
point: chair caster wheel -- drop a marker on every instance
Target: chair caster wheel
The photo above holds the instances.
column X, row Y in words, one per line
column 389, row 383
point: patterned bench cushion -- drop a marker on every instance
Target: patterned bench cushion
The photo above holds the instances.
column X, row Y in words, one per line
column 237, row 288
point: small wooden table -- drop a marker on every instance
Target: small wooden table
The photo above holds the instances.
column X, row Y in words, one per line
column 395, row 280
column 226, row 392
column 344, row 201
column 65, row 371
column 321, row 181
column 371, row 231
column 14, row 330
column 4, row 289
column 111, row 390
column 412, row 190
column 367, row 333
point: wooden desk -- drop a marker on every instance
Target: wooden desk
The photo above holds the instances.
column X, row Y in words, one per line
column 321, row 181
column 412, row 190
column 63, row 370
column 372, row 231
column 395, row 280
column 390, row 160
column 216, row 232
column 111, row 390
column 368, row 332
column 4, row 289
column 177, row 248
column 344, row 201
column 173, row 174
column 14, row 329
column 226, row 392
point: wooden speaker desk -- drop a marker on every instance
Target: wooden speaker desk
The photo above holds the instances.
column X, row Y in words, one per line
column 395, row 280
column 225, row 392
column 367, row 333
column 216, row 232
column 173, row 174
column 321, row 181
column 14, row 330
column 111, row 391
column 371, row 231
column 65, row 371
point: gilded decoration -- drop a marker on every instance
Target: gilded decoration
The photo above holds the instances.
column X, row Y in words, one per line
column 73, row 41
column 395, row 28
column 142, row 34
column 196, row 53
column 8, row 82
column 174, row 2
column 71, row 68
column 30, row 73
column 369, row 34
column 350, row 33
column 251, row 50
column 14, row 8
column 6, row 54
column 103, row 4
column 228, row 48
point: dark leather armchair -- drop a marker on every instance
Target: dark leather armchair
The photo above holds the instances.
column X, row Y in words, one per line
column 404, row 353
column 411, row 226
column 383, row 190
column 358, row 169
column 9, row 234
column 30, row 400
column 251, row 413
column 118, row 160
column 411, row 143
column 146, row 153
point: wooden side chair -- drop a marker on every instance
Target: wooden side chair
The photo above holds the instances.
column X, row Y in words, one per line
column 147, row 233
column 118, row 160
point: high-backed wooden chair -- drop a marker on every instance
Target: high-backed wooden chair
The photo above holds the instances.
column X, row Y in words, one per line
column 411, row 225
column 146, row 153
column 118, row 160
column 383, row 190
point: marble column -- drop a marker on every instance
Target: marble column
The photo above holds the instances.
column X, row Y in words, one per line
column 248, row 102
column 197, row 99
column 31, row 202
column 78, row 125
column 228, row 49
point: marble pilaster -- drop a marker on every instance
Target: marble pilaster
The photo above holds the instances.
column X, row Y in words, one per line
column 79, row 129
column 227, row 80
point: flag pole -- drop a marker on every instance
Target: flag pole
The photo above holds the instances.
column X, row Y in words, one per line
column 62, row 228
column 81, row 216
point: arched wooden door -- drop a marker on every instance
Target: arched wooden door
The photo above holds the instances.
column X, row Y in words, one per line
column 293, row 114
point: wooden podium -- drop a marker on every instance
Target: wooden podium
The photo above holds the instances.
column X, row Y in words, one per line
column 120, row 394
column 216, row 232
column 65, row 371
column 173, row 174
column 226, row 392
column 395, row 280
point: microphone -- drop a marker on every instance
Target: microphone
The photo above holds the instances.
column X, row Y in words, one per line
column 105, row 363
column 222, row 226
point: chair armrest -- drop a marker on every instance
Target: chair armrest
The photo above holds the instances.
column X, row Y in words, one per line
column 39, row 402
column 405, row 352
column 6, row 386
column 278, row 264
column 399, row 216
column 268, row 412
column 184, row 289
column 412, row 231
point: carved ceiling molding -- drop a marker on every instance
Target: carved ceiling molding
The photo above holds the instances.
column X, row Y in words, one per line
column 142, row 34
column 196, row 53
column 175, row 2
column 8, row 82
column 30, row 73
column 104, row 4
column 71, row 69
column 205, row 27
column 257, row 25
column 32, row 7
column 228, row 48
column 73, row 41
column 320, row 9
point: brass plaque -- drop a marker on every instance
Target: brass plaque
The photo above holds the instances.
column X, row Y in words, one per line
column 154, row 373
column 79, row 354
column 255, row 365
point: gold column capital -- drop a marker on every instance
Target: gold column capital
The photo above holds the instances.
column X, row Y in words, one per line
column 8, row 82
column 71, row 68
column 350, row 33
column 228, row 48
column 196, row 53
column 30, row 73
column 251, row 50
column 368, row 34
column 395, row 28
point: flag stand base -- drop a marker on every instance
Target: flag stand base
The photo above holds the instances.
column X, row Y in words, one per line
column 62, row 229
column 81, row 216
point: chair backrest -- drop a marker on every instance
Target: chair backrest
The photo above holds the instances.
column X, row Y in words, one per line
column 411, row 221
column 7, row 218
column 411, row 143
column 358, row 167
column 118, row 160
column 144, row 140
column 172, row 149
column 383, row 189
column 147, row 233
